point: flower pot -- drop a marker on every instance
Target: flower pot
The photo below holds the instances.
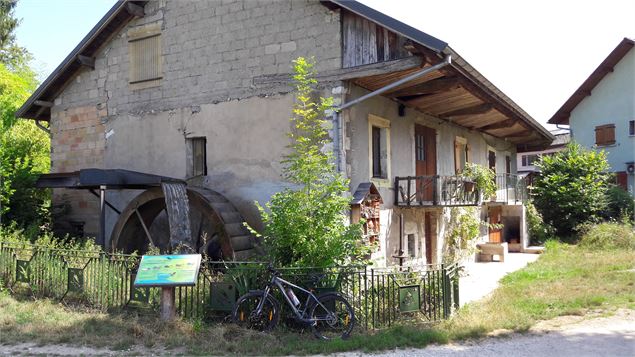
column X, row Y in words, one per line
column 469, row 186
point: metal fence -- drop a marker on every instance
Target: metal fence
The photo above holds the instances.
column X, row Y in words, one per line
column 380, row 297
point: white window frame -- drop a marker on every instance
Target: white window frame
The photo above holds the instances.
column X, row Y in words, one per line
column 384, row 124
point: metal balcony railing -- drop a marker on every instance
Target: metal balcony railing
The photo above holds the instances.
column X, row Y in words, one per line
column 422, row 191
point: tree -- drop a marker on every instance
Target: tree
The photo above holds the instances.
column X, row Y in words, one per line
column 11, row 54
column 571, row 188
column 306, row 225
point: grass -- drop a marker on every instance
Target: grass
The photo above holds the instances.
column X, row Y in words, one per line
column 566, row 280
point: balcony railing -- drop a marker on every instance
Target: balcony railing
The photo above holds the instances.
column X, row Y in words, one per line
column 421, row 191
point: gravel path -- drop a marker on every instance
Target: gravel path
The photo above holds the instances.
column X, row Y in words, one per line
column 561, row 337
column 575, row 336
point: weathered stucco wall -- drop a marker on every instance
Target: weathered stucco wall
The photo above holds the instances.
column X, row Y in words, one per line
column 211, row 53
column 402, row 149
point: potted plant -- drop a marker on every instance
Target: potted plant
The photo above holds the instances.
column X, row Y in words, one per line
column 479, row 177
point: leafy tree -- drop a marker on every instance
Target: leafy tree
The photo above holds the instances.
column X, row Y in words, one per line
column 11, row 54
column 306, row 225
column 24, row 152
column 571, row 188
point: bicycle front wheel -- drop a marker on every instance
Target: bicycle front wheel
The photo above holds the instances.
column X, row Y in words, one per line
column 245, row 312
column 333, row 317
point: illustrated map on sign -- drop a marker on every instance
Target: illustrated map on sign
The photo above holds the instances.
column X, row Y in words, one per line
column 168, row 270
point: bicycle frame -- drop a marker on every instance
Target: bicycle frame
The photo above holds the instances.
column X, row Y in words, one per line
column 299, row 312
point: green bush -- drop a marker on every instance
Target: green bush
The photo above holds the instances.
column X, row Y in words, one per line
column 571, row 188
column 608, row 235
column 620, row 204
column 306, row 225
column 539, row 231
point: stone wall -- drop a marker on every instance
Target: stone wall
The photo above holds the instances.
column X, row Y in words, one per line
column 77, row 142
column 212, row 52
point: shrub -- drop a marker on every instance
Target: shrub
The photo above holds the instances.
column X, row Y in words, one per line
column 571, row 188
column 608, row 235
column 620, row 204
column 539, row 231
column 306, row 225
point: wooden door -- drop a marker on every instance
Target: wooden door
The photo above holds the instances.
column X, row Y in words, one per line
column 495, row 233
column 425, row 161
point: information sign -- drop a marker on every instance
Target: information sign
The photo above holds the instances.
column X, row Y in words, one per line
column 168, row 270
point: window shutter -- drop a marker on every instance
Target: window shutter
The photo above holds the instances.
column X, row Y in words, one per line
column 605, row 135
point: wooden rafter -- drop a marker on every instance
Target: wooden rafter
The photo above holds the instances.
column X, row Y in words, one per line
column 481, row 108
column 429, row 87
column 499, row 125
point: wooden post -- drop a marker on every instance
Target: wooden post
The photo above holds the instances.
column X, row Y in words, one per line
column 168, row 308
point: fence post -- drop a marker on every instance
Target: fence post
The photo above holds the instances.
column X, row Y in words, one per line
column 455, row 284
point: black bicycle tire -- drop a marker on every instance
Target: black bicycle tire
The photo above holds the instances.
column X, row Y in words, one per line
column 349, row 309
column 258, row 293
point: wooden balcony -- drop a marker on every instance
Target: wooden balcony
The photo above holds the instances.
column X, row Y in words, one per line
column 453, row 191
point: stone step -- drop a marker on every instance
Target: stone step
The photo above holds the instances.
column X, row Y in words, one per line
column 231, row 217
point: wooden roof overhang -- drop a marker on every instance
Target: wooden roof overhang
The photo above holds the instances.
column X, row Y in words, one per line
column 457, row 96
column 38, row 106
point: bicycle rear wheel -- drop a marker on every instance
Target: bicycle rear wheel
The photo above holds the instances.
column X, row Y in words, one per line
column 245, row 314
column 334, row 317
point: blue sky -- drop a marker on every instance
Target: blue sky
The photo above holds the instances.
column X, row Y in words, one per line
column 537, row 52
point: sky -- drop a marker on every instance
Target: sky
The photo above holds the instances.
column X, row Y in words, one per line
column 537, row 52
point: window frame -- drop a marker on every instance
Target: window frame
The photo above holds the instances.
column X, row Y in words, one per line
column 384, row 126
column 460, row 141
column 192, row 157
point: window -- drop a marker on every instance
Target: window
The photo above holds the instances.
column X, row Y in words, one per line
column 461, row 154
column 605, row 135
column 377, row 171
column 379, row 150
column 197, row 157
column 528, row 160
column 144, row 44
column 631, row 128
column 420, row 147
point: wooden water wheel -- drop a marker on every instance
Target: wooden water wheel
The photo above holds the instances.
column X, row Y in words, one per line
column 217, row 227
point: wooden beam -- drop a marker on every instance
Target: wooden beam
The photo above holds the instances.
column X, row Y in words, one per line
column 500, row 125
column 520, row 134
column 86, row 61
column 473, row 110
column 135, row 10
column 343, row 74
column 43, row 103
column 432, row 86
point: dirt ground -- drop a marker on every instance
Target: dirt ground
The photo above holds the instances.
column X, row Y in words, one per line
column 575, row 336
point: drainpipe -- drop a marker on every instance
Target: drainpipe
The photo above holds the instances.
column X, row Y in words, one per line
column 337, row 120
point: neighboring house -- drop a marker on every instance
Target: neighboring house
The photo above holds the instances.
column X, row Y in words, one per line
column 200, row 91
column 525, row 161
column 601, row 113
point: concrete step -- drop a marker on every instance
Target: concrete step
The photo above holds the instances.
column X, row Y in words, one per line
column 240, row 243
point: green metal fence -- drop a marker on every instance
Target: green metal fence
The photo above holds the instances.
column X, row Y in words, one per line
column 380, row 297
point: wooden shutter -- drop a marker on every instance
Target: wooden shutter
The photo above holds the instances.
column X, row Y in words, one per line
column 199, row 157
column 605, row 135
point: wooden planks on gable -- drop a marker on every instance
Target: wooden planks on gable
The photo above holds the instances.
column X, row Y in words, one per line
column 364, row 42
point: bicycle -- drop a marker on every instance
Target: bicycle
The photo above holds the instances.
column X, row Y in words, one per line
column 329, row 315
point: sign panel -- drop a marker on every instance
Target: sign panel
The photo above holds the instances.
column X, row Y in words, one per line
column 168, row 270
column 409, row 298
